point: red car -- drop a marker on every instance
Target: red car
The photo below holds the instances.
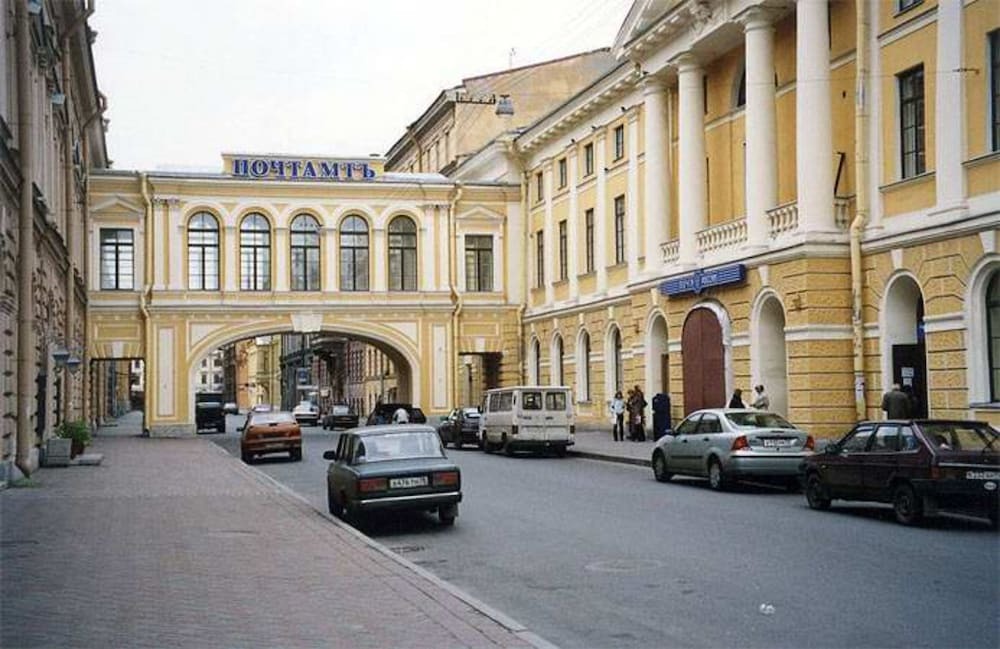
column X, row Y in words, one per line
column 271, row 432
column 920, row 466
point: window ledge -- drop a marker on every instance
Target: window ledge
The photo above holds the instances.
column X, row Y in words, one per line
column 590, row 273
column 983, row 159
column 614, row 267
column 906, row 182
column 994, row 405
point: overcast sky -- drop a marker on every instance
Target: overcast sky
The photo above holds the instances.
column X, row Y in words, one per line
column 188, row 79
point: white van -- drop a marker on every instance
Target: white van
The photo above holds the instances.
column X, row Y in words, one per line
column 530, row 418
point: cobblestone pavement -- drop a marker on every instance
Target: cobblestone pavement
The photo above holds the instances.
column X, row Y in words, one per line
column 173, row 543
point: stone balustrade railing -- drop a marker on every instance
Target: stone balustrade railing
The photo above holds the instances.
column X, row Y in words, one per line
column 671, row 251
column 782, row 219
column 725, row 235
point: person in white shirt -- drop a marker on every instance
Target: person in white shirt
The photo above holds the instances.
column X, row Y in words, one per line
column 761, row 400
column 401, row 416
column 618, row 412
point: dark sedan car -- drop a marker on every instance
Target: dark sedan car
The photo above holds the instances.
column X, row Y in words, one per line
column 393, row 467
column 383, row 412
column 340, row 416
column 461, row 426
column 920, row 466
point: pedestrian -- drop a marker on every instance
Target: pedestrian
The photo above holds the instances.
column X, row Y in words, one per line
column 896, row 404
column 737, row 399
column 630, row 411
column 618, row 413
column 638, row 413
column 914, row 403
column 401, row 416
column 761, row 401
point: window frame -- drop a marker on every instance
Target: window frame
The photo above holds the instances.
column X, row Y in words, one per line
column 563, row 251
column 992, row 308
column 906, row 5
column 403, row 245
column 584, row 342
column 481, row 280
column 619, row 209
column 619, row 138
column 588, row 216
column 563, row 175
column 993, row 88
column 540, row 259
column 260, row 253
column 307, row 242
column 917, row 165
column 119, row 279
column 588, row 159
column 352, row 281
column 197, row 248
column 539, row 187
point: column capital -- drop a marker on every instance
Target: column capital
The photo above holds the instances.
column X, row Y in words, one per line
column 757, row 17
column 653, row 84
column 687, row 61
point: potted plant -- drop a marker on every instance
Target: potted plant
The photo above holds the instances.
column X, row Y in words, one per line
column 77, row 432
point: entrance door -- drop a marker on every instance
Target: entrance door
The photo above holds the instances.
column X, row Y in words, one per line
column 909, row 368
column 703, row 361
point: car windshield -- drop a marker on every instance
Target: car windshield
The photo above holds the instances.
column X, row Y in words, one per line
column 958, row 436
column 265, row 418
column 470, row 412
column 341, row 410
column 757, row 420
column 402, row 446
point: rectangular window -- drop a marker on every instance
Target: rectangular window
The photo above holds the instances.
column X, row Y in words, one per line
column 562, row 173
column 995, row 89
column 588, row 159
column 911, row 121
column 478, row 263
column 539, row 187
column 117, row 259
column 620, row 230
column 563, row 254
column 619, row 142
column 589, row 239
column 907, row 4
column 540, row 258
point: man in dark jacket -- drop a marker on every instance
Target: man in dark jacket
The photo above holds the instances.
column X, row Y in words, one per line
column 895, row 403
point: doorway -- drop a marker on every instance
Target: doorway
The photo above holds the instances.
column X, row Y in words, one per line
column 904, row 347
column 703, row 357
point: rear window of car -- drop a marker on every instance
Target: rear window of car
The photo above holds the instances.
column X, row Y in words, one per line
column 758, row 420
column 555, row 401
column 961, row 437
column 531, row 400
column 341, row 410
column 402, row 446
column 472, row 413
column 265, row 418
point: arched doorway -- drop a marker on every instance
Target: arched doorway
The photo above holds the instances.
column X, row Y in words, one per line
column 583, row 367
column 904, row 355
column 615, row 378
column 770, row 354
column 534, row 362
column 704, row 361
column 657, row 360
column 557, row 376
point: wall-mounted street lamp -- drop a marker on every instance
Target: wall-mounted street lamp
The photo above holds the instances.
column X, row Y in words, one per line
column 65, row 359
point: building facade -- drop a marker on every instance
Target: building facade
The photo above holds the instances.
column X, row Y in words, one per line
column 51, row 136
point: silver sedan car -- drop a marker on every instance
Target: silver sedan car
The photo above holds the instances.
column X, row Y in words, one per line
column 728, row 444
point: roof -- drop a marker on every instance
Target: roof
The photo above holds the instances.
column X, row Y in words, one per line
column 385, row 429
column 531, row 387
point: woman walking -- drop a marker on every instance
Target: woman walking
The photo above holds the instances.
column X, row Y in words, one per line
column 618, row 412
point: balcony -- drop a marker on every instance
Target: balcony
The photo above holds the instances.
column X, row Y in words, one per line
column 784, row 219
column 730, row 234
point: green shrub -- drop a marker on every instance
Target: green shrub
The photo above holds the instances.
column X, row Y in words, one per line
column 75, row 430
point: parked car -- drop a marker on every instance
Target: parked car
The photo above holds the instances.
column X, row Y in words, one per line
column 461, row 426
column 306, row 413
column 528, row 418
column 262, row 407
column 382, row 413
column 726, row 444
column 392, row 467
column 230, row 408
column 208, row 412
column 920, row 466
column 270, row 432
column 340, row 416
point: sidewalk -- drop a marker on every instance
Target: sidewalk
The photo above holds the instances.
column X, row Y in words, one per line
column 596, row 443
column 174, row 543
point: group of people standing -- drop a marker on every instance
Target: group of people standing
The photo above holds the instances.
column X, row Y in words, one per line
column 901, row 403
column 635, row 407
column 760, row 399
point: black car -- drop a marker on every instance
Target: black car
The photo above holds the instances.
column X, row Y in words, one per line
column 383, row 412
column 461, row 426
column 340, row 416
column 208, row 411
column 394, row 467
column 920, row 466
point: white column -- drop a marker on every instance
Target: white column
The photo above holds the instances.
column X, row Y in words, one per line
column 761, row 171
column 425, row 251
column 330, row 259
column 378, row 260
column 949, row 122
column 601, row 238
column 280, row 254
column 813, row 124
column 692, row 174
column 632, row 198
column 573, row 225
column 657, row 171
column 231, row 258
column 551, row 249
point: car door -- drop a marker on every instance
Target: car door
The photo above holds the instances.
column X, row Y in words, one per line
column 339, row 474
column 704, row 439
column 842, row 468
column 879, row 464
column 679, row 459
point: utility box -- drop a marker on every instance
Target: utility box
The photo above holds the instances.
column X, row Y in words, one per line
column 57, row 451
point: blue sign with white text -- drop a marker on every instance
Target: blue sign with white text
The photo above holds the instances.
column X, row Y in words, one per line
column 699, row 280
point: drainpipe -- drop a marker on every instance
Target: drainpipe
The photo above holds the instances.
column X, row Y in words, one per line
column 144, row 298
column 861, row 203
column 456, row 297
column 27, row 253
column 524, row 274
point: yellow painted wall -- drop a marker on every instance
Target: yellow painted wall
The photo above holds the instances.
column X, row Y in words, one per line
column 980, row 18
column 842, row 27
column 890, row 17
column 983, row 177
column 842, row 111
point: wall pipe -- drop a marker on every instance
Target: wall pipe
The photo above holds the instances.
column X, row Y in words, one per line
column 861, row 203
column 144, row 299
column 456, row 297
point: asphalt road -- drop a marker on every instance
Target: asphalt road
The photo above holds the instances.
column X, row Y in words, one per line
column 595, row 554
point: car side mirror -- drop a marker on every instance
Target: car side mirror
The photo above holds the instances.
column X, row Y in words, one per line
column 329, row 455
column 831, row 449
column 240, row 428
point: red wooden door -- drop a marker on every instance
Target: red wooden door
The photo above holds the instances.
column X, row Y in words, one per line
column 704, row 362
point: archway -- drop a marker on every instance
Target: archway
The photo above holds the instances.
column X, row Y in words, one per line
column 614, row 368
column 704, row 361
column 583, row 367
column 769, row 353
column 557, row 376
column 534, row 362
column 904, row 356
column 657, row 360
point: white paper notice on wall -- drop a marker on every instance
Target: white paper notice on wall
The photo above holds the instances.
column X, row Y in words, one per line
column 907, row 373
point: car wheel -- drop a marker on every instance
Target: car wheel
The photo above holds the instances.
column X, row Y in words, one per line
column 331, row 503
column 487, row 446
column 906, row 505
column 508, row 448
column 660, row 467
column 793, row 485
column 295, row 454
column 457, row 442
column 716, row 478
column 994, row 516
column 246, row 457
column 815, row 495
column 560, row 451
column 447, row 514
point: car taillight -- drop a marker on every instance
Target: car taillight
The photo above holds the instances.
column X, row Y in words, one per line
column 513, row 430
column 366, row 485
column 810, row 443
column 740, row 443
column 445, row 478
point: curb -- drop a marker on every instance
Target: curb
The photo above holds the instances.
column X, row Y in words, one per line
column 591, row 455
column 504, row 620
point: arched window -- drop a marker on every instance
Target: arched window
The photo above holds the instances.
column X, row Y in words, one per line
column 203, row 252
column 354, row 254
column 305, row 253
column 583, row 367
column 255, row 253
column 741, row 89
column 402, row 254
column 617, row 375
column 993, row 333
column 558, row 377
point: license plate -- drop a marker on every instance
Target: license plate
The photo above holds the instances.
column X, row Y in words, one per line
column 771, row 443
column 403, row 483
column 982, row 475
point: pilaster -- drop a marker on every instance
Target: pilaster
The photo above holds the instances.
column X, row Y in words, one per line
column 601, row 238
column 657, row 172
column 949, row 114
column 632, row 198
